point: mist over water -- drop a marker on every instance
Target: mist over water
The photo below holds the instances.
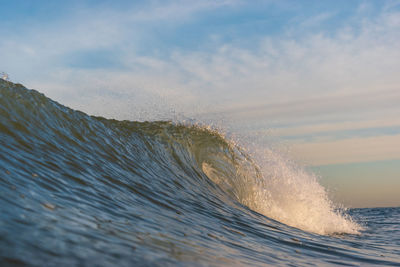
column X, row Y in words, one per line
column 83, row 190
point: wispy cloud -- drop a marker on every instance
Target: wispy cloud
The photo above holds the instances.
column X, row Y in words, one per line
column 333, row 128
column 348, row 150
column 101, row 57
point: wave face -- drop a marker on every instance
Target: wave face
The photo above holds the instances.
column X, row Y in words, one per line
column 77, row 189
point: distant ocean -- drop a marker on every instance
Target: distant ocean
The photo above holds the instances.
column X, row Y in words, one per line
column 78, row 190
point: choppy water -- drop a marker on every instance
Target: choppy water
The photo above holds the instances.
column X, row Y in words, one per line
column 82, row 190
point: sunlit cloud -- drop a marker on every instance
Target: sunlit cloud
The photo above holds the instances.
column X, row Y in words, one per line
column 115, row 61
column 348, row 150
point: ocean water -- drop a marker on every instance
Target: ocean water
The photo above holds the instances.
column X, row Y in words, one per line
column 78, row 190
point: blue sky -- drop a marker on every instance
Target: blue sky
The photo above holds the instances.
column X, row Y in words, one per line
column 322, row 77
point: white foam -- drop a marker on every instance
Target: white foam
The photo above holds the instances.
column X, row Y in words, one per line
column 287, row 193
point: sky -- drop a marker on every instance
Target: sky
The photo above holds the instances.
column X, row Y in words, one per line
column 318, row 78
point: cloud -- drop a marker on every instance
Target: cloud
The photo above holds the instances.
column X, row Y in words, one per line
column 295, row 76
column 348, row 150
column 315, row 21
column 333, row 128
column 177, row 10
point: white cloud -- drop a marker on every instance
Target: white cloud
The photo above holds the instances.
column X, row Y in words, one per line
column 295, row 78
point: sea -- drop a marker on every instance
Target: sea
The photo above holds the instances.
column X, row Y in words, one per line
column 80, row 190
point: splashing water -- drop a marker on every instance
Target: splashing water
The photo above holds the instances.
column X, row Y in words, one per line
column 287, row 193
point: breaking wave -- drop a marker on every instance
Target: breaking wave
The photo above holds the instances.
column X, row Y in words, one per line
column 79, row 179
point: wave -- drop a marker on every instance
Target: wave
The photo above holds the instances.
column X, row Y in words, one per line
column 156, row 161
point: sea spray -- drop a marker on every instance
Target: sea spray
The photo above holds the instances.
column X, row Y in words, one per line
column 282, row 190
column 293, row 196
